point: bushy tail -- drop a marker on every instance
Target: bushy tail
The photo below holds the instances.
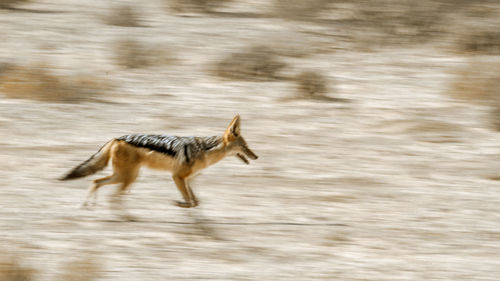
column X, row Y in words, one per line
column 94, row 164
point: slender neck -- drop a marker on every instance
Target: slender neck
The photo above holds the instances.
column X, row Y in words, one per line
column 216, row 153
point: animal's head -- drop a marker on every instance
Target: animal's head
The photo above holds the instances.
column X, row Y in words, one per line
column 235, row 144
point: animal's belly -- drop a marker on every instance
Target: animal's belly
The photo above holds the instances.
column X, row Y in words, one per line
column 159, row 161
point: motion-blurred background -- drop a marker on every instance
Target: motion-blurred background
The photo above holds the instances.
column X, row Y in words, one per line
column 376, row 122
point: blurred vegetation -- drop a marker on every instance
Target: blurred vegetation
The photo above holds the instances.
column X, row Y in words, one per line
column 258, row 63
column 495, row 117
column 377, row 23
column 311, row 84
column 12, row 270
column 9, row 4
column 418, row 20
column 298, row 10
column 123, row 16
column 200, row 6
column 84, row 269
column 482, row 42
column 38, row 83
column 372, row 24
column 80, row 270
column 478, row 82
column 130, row 53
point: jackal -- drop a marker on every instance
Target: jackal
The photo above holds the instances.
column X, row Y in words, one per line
column 182, row 156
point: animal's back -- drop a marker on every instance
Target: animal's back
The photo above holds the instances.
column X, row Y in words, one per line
column 184, row 149
column 166, row 144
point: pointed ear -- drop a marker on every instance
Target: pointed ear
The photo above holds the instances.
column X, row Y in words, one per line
column 233, row 130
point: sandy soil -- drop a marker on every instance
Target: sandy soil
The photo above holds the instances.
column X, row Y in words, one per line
column 398, row 183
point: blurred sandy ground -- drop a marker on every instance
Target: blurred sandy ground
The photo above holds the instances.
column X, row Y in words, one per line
column 384, row 167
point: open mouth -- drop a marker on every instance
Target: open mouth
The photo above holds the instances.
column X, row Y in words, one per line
column 250, row 155
column 243, row 158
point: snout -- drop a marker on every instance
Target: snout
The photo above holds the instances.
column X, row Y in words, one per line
column 248, row 153
column 251, row 154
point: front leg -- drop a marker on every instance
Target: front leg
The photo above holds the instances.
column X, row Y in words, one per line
column 189, row 198
column 191, row 193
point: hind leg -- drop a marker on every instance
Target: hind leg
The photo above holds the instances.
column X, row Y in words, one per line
column 116, row 201
column 92, row 192
column 127, row 177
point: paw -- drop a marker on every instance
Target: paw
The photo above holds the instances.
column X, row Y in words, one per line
column 85, row 206
column 129, row 218
column 184, row 204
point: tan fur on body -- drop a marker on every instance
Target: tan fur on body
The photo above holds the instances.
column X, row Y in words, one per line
column 127, row 159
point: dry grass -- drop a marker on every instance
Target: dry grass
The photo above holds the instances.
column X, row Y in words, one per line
column 132, row 54
column 5, row 67
column 123, row 16
column 485, row 42
column 401, row 22
column 373, row 23
column 313, row 85
column 478, row 82
column 337, row 238
column 335, row 198
column 298, row 47
column 200, row 6
column 80, row 270
column 493, row 177
column 299, row 10
column 11, row 270
column 38, row 83
column 9, row 4
column 257, row 63
column 495, row 117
